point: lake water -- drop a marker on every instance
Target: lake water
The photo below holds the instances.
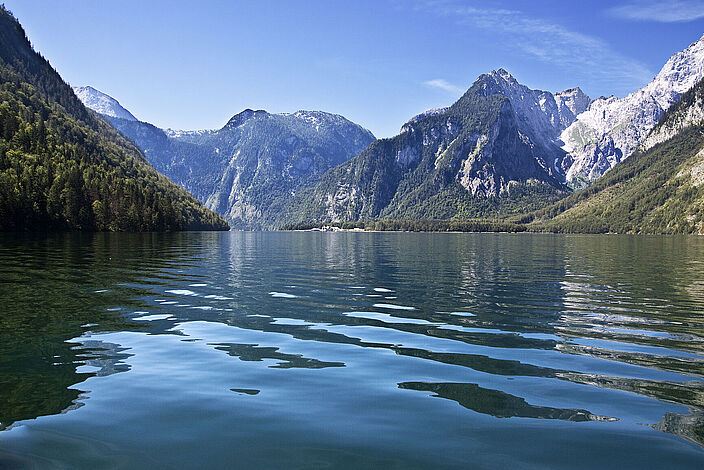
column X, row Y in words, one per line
column 351, row 350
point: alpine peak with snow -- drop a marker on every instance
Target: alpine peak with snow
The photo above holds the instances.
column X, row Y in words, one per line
column 102, row 103
column 612, row 128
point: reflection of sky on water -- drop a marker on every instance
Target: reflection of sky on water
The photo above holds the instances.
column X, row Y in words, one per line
column 530, row 327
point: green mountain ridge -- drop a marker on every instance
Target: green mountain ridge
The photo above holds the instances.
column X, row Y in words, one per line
column 64, row 168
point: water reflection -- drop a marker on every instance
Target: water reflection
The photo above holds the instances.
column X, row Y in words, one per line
column 496, row 323
column 499, row 404
column 252, row 352
column 56, row 291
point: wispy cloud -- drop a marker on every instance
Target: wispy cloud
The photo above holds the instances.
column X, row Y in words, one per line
column 444, row 85
column 547, row 41
column 672, row 11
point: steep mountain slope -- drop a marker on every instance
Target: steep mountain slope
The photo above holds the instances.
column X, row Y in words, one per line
column 612, row 128
column 192, row 166
column 491, row 152
column 249, row 170
column 659, row 189
column 268, row 158
column 63, row 168
column 102, row 103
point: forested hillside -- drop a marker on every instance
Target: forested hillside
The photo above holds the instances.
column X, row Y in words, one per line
column 64, row 168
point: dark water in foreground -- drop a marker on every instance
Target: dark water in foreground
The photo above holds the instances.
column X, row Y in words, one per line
column 358, row 350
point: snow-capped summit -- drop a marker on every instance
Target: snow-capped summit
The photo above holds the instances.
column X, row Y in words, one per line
column 611, row 129
column 102, row 103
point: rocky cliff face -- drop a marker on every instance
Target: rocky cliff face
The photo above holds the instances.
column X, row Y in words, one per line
column 612, row 128
column 265, row 159
column 491, row 151
column 689, row 113
column 658, row 189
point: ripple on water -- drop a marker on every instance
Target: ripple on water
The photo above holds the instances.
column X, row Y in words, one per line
column 282, row 295
column 387, row 318
column 394, row 306
column 181, row 292
column 154, row 317
column 488, row 346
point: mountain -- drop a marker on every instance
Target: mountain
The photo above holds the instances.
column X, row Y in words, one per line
column 64, row 168
column 658, row 189
column 612, row 128
column 491, row 152
column 249, row 170
column 265, row 159
column 102, row 103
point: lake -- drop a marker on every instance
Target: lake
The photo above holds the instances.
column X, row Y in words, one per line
column 351, row 350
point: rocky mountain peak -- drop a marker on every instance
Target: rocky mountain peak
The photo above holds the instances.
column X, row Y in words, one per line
column 243, row 116
column 545, row 114
column 572, row 102
column 504, row 75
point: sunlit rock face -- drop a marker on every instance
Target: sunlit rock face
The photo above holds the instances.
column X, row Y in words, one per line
column 612, row 128
column 498, row 140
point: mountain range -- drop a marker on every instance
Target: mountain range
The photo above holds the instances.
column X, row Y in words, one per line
column 541, row 160
column 250, row 169
column 492, row 152
column 501, row 149
column 612, row 128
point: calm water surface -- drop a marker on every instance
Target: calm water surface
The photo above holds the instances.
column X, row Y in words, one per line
column 351, row 350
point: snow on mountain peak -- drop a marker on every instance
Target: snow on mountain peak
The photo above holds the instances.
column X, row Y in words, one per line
column 102, row 103
column 316, row 118
column 611, row 129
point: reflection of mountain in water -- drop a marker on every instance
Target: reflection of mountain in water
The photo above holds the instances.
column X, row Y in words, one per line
column 565, row 310
column 252, row 352
column 689, row 394
column 105, row 357
column 43, row 388
column 474, row 291
column 55, row 289
column 689, row 427
column 499, row 404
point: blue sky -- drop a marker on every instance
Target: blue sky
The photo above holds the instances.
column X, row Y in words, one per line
column 192, row 65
